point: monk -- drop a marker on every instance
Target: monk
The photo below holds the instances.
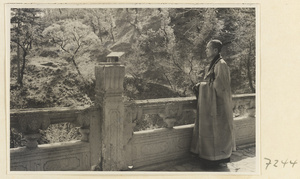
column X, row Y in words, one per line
column 213, row 137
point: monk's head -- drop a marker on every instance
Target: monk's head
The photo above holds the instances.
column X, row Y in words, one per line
column 213, row 48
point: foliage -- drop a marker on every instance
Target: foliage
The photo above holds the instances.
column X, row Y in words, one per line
column 51, row 85
column 149, row 122
column 164, row 46
column 55, row 133
column 137, row 89
column 16, row 139
column 24, row 32
column 73, row 38
column 243, row 48
column 154, row 121
column 62, row 132
column 54, row 51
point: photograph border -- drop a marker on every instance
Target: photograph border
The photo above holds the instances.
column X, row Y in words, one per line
column 8, row 6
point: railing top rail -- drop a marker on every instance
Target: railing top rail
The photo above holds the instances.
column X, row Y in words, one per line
column 69, row 114
column 81, row 108
column 173, row 108
column 160, row 100
column 179, row 99
column 55, row 115
column 243, row 95
column 47, row 110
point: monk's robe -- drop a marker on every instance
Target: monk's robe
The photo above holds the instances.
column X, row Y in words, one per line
column 213, row 135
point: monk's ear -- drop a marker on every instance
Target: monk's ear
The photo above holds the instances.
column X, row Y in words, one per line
column 216, row 50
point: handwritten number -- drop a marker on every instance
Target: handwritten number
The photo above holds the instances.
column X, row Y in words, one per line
column 284, row 163
column 268, row 163
column 276, row 161
column 293, row 163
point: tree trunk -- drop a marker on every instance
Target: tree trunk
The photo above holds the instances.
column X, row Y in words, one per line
column 23, row 68
column 248, row 69
column 18, row 61
column 77, row 69
column 99, row 29
column 75, row 64
column 112, row 32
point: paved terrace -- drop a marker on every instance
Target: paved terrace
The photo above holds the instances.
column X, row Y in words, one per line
column 242, row 161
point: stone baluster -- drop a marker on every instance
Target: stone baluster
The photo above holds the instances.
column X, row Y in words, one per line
column 109, row 90
column 83, row 120
column 30, row 125
column 170, row 114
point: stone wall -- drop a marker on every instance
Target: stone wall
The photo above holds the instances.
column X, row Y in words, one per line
column 70, row 156
column 157, row 146
column 244, row 120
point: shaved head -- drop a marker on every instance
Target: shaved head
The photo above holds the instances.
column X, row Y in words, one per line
column 216, row 44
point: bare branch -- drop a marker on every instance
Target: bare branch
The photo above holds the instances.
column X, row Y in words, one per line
column 77, row 49
column 13, row 40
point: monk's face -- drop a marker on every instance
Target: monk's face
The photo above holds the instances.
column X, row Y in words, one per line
column 210, row 51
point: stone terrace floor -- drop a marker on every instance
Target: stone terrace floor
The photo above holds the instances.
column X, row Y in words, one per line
column 243, row 160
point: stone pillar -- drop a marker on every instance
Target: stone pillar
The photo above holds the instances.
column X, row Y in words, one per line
column 109, row 90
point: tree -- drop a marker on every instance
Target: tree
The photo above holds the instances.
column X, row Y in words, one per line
column 245, row 44
column 73, row 38
column 163, row 46
column 239, row 37
column 24, row 31
column 94, row 18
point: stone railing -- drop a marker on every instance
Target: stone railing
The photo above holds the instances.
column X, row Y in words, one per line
column 108, row 141
column 75, row 155
column 30, row 121
column 169, row 109
column 160, row 145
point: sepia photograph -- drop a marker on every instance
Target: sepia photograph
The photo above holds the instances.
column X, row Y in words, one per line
column 159, row 88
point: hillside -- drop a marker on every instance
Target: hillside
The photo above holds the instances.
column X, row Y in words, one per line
column 53, row 82
column 54, row 51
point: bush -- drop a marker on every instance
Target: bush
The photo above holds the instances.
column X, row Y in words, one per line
column 62, row 132
column 48, row 53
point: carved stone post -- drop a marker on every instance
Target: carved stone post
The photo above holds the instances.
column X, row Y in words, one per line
column 109, row 90
column 83, row 120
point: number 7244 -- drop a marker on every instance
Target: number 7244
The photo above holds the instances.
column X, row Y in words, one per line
column 277, row 163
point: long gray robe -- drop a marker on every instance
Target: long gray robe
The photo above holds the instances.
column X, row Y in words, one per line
column 213, row 136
